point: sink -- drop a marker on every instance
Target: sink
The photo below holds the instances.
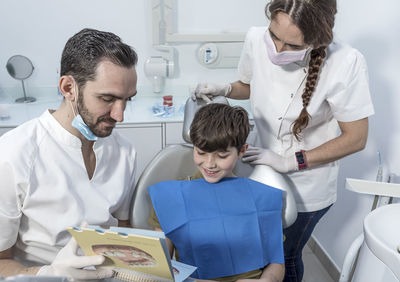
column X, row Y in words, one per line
column 382, row 235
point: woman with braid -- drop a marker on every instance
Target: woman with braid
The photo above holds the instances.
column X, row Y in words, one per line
column 310, row 100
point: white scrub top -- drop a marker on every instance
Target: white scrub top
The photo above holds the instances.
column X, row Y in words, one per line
column 342, row 94
column 45, row 187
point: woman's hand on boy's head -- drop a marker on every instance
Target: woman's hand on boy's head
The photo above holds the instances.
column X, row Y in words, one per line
column 206, row 91
column 257, row 156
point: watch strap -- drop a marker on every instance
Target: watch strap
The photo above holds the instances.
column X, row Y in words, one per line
column 301, row 160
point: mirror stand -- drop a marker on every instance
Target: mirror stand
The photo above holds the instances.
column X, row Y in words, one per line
column 20, row 68
column 25, row 99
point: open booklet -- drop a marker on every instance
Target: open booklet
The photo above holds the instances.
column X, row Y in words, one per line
column 135, row 254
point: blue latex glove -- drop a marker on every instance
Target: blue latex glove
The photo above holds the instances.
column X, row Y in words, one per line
column 257, row 155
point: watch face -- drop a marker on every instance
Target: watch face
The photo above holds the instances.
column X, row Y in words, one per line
column 299, row 157
column 301, row 160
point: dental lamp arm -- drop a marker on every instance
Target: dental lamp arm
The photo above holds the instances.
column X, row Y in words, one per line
column 157, row 68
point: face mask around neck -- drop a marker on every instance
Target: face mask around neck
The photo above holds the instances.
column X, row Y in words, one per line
column 285, row 57
column 78, row 122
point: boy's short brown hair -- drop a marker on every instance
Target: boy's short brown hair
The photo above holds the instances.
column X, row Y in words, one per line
column 215, row 127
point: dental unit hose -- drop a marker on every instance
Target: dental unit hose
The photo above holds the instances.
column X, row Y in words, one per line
column 379, row 178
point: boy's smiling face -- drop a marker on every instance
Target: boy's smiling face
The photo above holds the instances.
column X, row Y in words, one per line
column 218, row 164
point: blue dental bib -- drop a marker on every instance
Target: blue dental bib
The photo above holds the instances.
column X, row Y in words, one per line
column 225, row 228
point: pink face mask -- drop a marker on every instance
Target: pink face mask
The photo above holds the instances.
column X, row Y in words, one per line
column 285, row 57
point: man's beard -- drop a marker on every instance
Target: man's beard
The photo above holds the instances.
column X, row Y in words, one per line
column 88, row 119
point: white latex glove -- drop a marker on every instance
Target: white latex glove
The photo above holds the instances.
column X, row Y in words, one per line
column 256, row 155
column 68, row 264
column 206, row 91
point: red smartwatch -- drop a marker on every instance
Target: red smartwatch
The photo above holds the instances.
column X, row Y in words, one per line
column 301, row 159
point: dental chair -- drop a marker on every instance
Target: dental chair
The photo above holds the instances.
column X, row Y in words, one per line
column 375, row 254
column 176, row 162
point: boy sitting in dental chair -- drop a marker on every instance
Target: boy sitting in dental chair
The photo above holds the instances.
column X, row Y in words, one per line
column 229, row 227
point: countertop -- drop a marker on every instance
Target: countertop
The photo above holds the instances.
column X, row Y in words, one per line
column 138, row 110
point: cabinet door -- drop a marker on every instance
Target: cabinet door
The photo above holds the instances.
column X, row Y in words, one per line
column 147, row 140
column 173, row 133
column 4, row 130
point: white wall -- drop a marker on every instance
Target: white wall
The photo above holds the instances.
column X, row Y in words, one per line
column 40, row 28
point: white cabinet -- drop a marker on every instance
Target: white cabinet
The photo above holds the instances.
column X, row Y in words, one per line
column 150, row 138
column 173, row 133
column 147, row 139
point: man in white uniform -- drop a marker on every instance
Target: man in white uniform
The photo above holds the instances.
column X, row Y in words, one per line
column 68, row 166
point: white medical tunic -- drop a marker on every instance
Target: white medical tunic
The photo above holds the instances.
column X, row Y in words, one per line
column 45, row 187
column 342, row 94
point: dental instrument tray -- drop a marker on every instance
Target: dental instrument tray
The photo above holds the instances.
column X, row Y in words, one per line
column 373, row 187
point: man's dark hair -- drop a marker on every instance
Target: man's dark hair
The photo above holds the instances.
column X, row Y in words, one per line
column 215, row 127
column 86, row 49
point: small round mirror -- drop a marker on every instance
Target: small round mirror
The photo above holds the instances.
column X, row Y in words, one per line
column 20, row 67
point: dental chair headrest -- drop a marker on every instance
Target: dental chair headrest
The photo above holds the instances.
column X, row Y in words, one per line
column 268, row 176
column 191, row 108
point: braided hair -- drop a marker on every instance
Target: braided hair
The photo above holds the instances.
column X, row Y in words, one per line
column 317, row 57
column 315, row 19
